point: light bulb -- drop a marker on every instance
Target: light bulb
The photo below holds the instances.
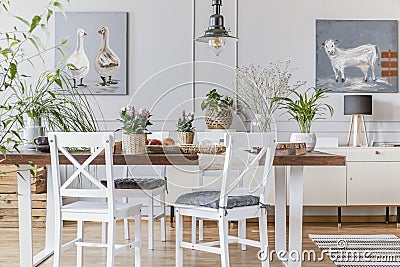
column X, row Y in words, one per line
column 216, row 45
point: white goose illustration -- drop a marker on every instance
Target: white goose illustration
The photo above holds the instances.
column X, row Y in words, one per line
column 107, row 62
column 78, row 62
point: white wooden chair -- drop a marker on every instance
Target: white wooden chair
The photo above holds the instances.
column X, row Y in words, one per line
column 231, row 203
column 145, row 182
column 84, row 210
column 212, row 138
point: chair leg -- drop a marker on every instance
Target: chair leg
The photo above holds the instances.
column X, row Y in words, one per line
column 138, row 238
column 151, row 222
column 103, row 232
column 79, row 249
column 263, row 238
column 111, row 243
column 194, row 220
column 163, row 226
column 242, row 232
column 223, row 239
column 179, row 238
column 126, row 222
column 57, row 241
column 201, row 229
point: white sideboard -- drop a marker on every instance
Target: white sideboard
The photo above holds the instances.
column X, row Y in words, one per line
column 371, row 177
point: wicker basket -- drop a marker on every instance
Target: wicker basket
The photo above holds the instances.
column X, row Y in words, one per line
column 134, row 144
column 222, row 121
column 151, row 149
column 212, row 149
column 189, row 149
column 186, row 138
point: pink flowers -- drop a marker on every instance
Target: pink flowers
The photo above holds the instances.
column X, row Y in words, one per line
column 129, row 110
column 144, row 112
column 185, row 122
column 135, row 121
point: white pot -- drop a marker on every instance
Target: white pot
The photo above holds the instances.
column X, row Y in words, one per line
column 31, row 133
column 309, row 138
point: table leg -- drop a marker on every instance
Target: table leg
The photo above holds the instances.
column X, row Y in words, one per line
column 49, row 245
column 295, row 216
column 280, row 213
column 25, row 217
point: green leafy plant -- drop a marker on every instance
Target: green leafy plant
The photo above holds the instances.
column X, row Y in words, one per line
column 216, row 102
column 135, row 121
column 185, row 122
column 20, row 47
column 54, row 103
column 306, row 109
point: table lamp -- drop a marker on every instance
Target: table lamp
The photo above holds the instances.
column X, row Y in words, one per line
column 357, row 106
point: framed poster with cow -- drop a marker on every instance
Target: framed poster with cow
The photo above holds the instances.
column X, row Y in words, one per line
column 357, row 56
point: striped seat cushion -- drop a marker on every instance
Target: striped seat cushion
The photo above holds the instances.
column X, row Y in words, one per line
column 138, row 183
column 210, row 199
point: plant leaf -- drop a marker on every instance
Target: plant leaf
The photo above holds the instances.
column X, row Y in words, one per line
column 35, row 22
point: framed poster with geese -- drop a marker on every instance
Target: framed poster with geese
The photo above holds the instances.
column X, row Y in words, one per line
column 95, row 50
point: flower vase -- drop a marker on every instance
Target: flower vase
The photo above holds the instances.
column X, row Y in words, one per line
column 134, row 144
column 186, row 138
column 32, row 130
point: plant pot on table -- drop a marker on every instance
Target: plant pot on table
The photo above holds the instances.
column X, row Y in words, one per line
column 186, row 138
column 309, row 138
column 222, row 120
column 134, row 144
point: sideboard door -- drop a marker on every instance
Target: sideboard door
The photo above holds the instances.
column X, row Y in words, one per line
column 373, row 183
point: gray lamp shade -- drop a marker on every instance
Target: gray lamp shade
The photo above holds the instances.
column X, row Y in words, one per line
column 358, row 104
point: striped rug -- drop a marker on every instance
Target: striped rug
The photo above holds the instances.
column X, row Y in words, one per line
column 360, row 250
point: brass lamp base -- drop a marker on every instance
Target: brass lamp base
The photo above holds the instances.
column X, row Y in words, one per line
column 359, row 123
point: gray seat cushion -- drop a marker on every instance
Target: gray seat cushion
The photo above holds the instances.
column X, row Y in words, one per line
column 138, row 183
column 210, row 199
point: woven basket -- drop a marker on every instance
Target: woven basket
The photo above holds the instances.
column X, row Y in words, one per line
column 189, row 149
column 212, row 149
column 222, row 121
column 186, row 138
column 134, row 144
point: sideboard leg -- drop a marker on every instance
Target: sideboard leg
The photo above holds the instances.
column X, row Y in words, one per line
column 387, row 215
column 339, row 217
column 171, row 216
column 398, row 217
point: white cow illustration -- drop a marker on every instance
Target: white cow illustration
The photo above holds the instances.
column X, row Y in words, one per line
column 362, row 57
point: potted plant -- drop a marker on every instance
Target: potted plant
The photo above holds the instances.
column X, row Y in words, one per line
column 185, row 128
column 14, row 62
column 305, row 109
column 261, row 89
column 54, row 104
column 218, row 110
column 134, row 128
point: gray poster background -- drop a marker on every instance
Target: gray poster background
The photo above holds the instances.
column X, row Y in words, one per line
column 91, row 22
column 353, row 33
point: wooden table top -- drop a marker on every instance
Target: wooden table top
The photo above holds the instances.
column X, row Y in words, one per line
column 314, row 158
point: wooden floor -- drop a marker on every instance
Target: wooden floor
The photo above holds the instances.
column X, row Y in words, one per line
column 164, row 252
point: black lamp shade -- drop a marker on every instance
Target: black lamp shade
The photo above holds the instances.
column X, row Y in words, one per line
column 216, row 28
column 358, row 104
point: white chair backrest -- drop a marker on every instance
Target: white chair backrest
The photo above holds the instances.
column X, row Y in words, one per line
column 99, row 143
column 148, row 171
column 239, row 157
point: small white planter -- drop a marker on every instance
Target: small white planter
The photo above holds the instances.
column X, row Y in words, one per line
column 309, row 138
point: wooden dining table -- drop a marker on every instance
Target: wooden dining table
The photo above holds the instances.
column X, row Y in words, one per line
column 25, row 159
